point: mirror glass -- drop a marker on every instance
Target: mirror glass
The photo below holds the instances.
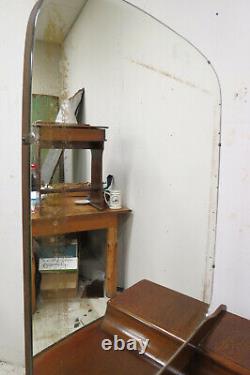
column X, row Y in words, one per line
column 153, row 102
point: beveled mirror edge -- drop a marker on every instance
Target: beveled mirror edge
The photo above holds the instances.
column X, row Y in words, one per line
column 26, row 113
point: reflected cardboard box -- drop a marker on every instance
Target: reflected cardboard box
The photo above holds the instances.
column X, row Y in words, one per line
column 58, row 248
column 59, row 284
column 58, row 265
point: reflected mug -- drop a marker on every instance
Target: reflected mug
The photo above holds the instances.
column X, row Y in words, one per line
column 115, row 199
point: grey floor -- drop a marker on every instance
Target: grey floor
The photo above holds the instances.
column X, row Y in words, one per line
column 55, row 319
column 6, row 369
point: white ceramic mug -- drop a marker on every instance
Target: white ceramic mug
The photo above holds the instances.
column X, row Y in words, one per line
column 115, row 199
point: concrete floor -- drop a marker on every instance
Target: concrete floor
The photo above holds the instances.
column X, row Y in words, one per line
column 55, row 319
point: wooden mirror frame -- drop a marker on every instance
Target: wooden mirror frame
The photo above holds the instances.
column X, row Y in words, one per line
column 26, row 141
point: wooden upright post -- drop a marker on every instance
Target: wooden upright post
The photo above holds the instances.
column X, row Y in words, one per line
column 96, row 196
column 111, row 258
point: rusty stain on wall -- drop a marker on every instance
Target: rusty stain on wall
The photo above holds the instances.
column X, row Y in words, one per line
column 54, row 31
column 64, row 70
column 169, row 75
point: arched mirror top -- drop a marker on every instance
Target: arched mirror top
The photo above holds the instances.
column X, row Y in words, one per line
column 121, row 120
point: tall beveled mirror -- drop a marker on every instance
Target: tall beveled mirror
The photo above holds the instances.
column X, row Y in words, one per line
column 118, row 109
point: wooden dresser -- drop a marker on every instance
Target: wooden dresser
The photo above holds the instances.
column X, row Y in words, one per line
column 167, row 319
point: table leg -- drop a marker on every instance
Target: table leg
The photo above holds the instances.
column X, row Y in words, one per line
column 111, row 260
column 96, row 195
column 33, row 284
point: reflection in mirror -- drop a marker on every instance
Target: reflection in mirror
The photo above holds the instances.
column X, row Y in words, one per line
column 153, row 104
column 68, row 267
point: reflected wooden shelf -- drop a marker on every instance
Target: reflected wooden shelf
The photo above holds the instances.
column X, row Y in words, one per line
column 60, row 215
column 60, row 135
column 70, row 189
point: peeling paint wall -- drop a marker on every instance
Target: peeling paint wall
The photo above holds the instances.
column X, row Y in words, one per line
column 47, row 74
column 160, row 99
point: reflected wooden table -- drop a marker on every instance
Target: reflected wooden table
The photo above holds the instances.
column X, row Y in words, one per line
column 59, row 214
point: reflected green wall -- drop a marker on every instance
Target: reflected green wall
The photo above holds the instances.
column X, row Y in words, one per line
column 44, row 108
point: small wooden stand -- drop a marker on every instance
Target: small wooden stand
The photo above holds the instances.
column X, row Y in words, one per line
column 75, row 136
